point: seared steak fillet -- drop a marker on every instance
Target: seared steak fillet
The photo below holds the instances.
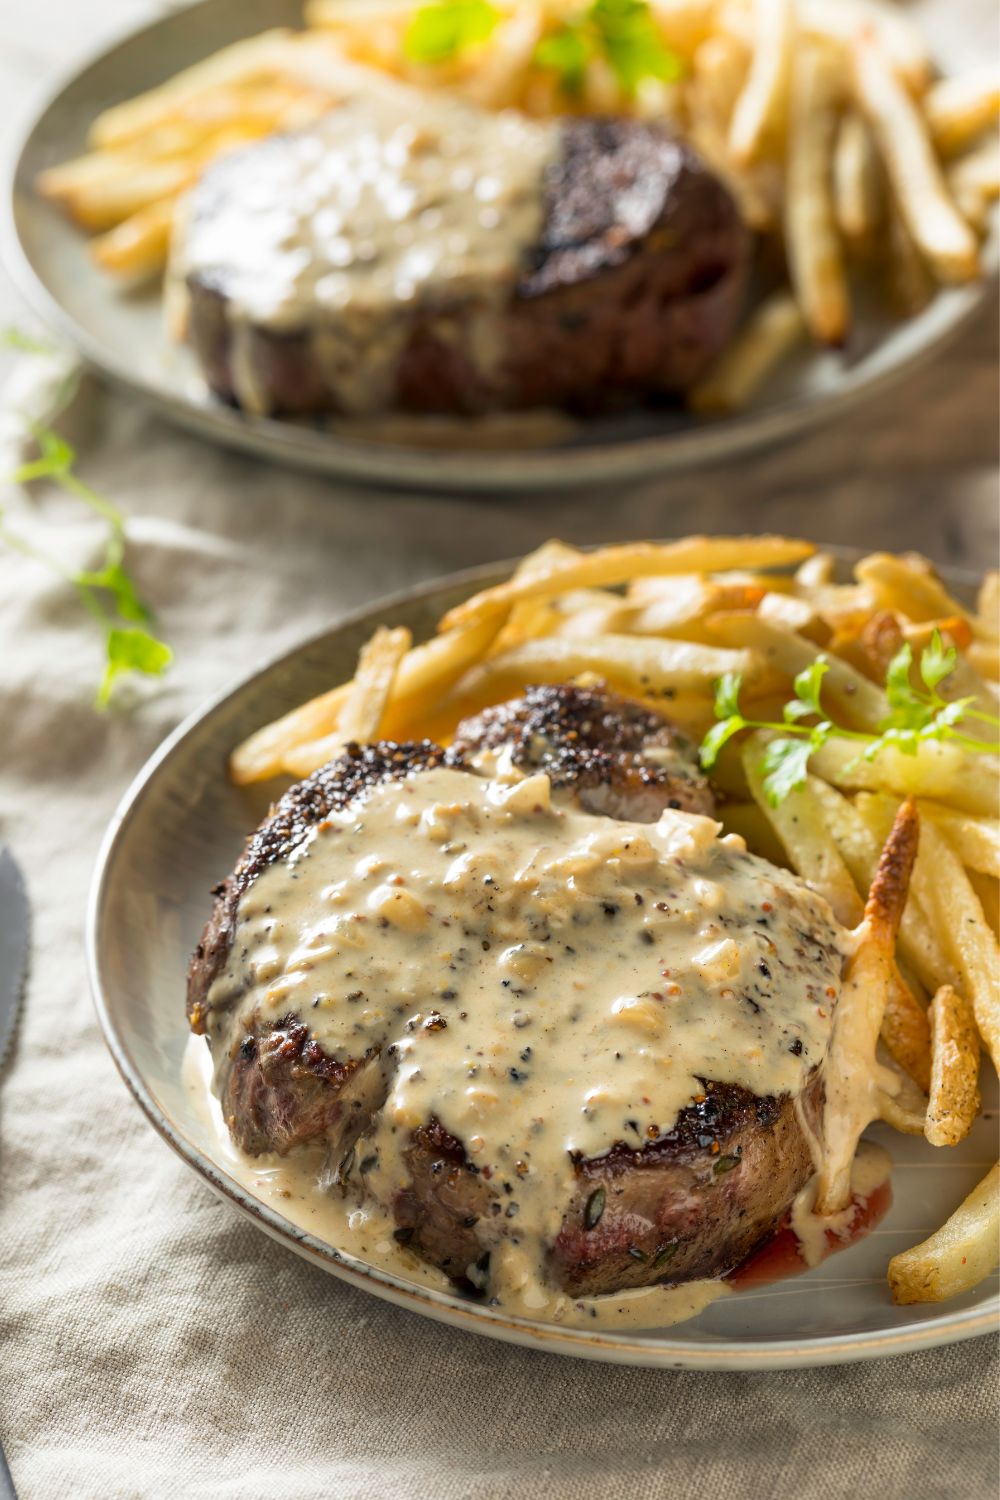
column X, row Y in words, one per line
column 635, row 285
column 619, row 758
column 332, row 787
column 690, row 1203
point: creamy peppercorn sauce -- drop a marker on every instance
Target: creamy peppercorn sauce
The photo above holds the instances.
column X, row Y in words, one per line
column 397, row 203
column 543, row 981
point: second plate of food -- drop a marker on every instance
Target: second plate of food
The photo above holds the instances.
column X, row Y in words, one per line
column 447, row 899
column 632, row 272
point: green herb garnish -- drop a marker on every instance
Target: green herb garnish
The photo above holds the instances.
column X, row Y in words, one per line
column 441, row 31
column 916, row 715
column 108, row 592
column 623, row 32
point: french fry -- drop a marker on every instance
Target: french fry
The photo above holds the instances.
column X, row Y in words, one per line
column 852, row 698
column 901, row 43
column 909, row 585
column 760, row 112
column 799, row 824
column 941, row 234
column 974, row 182
column 650, row 668
column 772, row 333
column 954, row 1100
column 958, row 1255
column 138, row 246
column 859, row 840
column 962, row 108
column 909, row 284
column 967, row 935
column 855, row 181
column 975, row 840
column 425, row 673
column 611, row 566
column 853, row 1077
column 243, row 62
column 815, row 254
column 944, row 772
column 364, row 706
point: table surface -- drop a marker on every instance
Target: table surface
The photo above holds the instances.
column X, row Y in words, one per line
column 137, row 1360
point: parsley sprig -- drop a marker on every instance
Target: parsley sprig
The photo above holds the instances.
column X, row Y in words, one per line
column 442, row 30
column 916, row 715
column 107, row 592
column 622, row 31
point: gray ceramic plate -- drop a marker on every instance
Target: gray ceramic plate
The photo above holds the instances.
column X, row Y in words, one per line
column 121, row 334
column 177, row 832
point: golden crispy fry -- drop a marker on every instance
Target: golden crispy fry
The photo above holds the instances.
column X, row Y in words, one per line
column 974, row 182
column 921, row 946
column 988, row 607
column 643, row 667
column 958, row 1256
column 616, row 565
column 954, row 1100
column 941, row 234
column 976, row 840
column 760, row 112
column 773, row 331
column 944, row 772
column 906, row 1032
column 137, row 247
column 424, row 674
column 854, row 1079
column 897, row 38
column 799, row 823
column 364, row 707
column 243, row 62
column 815, row 253
column 851, row 698
column 909, row 285
column 681, row 610
column 967, row 935
column 960, row 109
column 909, row 585
column 856, row 187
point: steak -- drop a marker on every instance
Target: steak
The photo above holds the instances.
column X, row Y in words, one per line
column 691, row 1202
column 618, row 758
column 635, row 282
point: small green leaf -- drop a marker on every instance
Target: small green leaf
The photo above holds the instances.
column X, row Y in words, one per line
column 727, row 696
column 717, row 736
column 120, row 586
column 131, row 649
column 809, row 684
column 443, row 30
column 784, row 767
column 567, row 51
column 632, row 43
column 25, row 343
column 937, row 661
column 898, row 688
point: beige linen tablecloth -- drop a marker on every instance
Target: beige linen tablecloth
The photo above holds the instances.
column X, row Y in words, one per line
column 152, row 1344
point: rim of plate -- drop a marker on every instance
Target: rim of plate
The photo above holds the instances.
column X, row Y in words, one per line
column 444, row 1306
column 420, row 468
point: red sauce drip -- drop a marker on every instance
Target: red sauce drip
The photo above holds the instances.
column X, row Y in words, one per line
column 780, row 1256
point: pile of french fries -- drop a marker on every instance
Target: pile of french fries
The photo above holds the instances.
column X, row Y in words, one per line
column 662, row 623
column 824, row 116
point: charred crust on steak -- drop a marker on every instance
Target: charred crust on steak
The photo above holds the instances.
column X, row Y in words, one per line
column 596, row 742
